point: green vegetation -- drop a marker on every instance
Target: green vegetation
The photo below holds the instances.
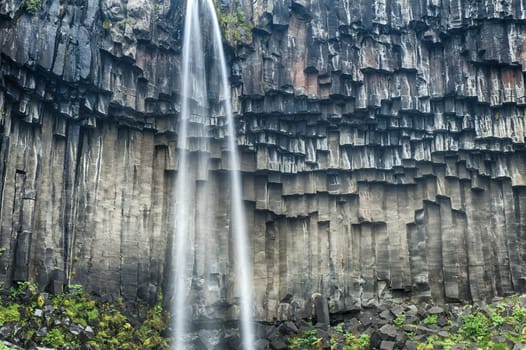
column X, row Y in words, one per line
column 399, row 320
column 308, row 340
column 123, row 22
column 339, row 328
column 106, row 24
column 57, row 338
column 475, row 327
column 75, row 320
column 431, row 320
column 339, row 339
column 356, row 343
column 31, row 6
column 9, row 313
column 63, row 320
column 479, row 328
column 499, row 326
column 235, row 26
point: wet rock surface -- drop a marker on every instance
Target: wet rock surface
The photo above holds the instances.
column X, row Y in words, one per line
column 382, row 151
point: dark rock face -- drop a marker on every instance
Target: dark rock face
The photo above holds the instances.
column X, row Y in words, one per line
column 382, row 150
column 388, row 148
column 87, row 101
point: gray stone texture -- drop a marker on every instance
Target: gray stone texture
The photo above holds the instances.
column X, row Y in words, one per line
column 382, row 151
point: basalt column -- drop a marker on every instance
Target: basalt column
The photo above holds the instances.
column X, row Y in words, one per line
column 382, row 149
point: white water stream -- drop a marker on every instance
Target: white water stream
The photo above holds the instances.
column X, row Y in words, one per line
column 193, row 90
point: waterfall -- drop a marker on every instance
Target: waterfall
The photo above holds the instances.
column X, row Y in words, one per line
column 180, row 255
column 194, row 92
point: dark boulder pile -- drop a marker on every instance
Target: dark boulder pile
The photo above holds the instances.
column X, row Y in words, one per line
column 500, row 324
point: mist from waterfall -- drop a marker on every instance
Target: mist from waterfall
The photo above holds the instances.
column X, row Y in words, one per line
column 188, row 205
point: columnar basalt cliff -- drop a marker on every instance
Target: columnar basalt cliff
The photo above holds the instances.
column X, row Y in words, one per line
column 88, row 120
column 382, row 149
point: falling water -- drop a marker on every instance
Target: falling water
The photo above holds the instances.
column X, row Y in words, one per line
column 193, row 89
column 238, row 215
column 182, row 278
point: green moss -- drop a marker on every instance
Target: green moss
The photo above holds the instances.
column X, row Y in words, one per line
column 112, row 329
column 123, row 22
column 54, row 338
column 235, row 26
column 519, row 314
column 431, row 320
column 475, row 327
column 92, row 314
column 9, row 313
column 22, row 289
column 106, row 24
column 356, row 343
column 31, row 6
column 308, row 340
column 399, row 320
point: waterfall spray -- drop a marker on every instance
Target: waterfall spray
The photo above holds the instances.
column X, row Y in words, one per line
column 179, row 254
column 238, row 215
column 193, row 88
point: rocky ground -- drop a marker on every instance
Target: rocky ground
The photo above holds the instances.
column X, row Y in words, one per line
column 498, row 325
column 30, row 319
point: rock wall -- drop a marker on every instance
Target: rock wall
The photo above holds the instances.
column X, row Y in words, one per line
column 87, row 109
column 382, row 150
column 385, row 149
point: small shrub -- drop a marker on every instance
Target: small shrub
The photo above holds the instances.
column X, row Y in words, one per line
column 54, row 338
column 500, row 346
column 15, row 293
column 519, row 314
column 431, row 320
column 356, row 343
column 475, row 326
column 364, row 340
column 4, row 347
column 75, row 289
column 234, row 25
column 308, row 340
column 22, row 288
column 31, row 6
column 497, row 320
column 399, row 320
column 9, row 313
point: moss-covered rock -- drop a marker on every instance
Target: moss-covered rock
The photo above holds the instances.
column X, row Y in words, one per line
column 236, row 27
column 74, row 320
